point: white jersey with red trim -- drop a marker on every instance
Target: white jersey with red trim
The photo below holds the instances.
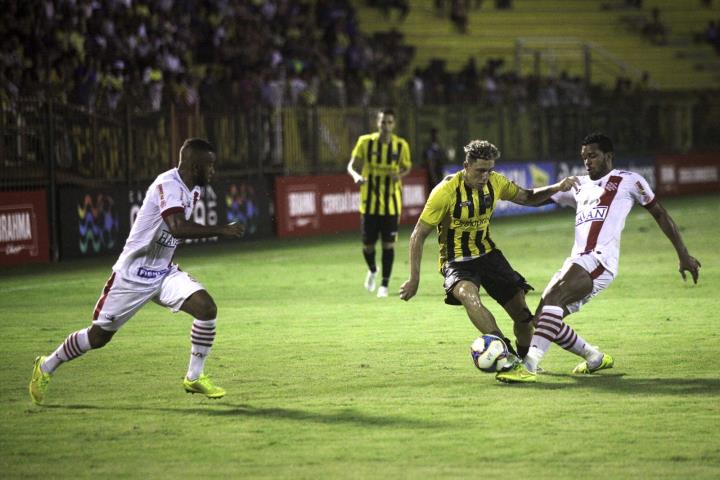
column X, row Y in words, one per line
column 601, row 207
column 150, row 247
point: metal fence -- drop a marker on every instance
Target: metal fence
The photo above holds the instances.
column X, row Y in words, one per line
column 45, row 144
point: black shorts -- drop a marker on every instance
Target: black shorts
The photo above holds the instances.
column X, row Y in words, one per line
column 492, row 271
column 383, row 226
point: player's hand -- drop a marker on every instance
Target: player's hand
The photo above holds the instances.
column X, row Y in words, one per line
column 690, row 264
column 567, row 183
column 408, row 289
column 234, row 229
column 359, row 180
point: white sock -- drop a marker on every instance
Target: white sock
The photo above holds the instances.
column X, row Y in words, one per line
column 548, row 326
column 202, row 336
column 592, row 355
column 75, row 345
column 533, row 357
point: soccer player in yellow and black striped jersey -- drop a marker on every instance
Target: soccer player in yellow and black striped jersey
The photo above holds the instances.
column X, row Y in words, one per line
column 378, row 163
column 460, row 208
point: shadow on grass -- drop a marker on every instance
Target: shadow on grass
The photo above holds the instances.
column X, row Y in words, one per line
column 621, row 383
column 347, row 416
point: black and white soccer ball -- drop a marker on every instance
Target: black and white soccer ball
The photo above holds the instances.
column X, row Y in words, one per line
column 490, row 354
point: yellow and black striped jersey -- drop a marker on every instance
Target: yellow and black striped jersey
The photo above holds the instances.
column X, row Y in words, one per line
column 380, row 194
column 462, row 215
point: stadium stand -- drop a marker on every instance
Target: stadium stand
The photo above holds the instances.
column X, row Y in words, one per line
column 558, row 32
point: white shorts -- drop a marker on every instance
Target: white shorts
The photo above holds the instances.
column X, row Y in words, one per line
column 602, row 278
column 122, row 298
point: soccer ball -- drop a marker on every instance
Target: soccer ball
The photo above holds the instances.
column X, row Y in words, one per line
column 490, row 354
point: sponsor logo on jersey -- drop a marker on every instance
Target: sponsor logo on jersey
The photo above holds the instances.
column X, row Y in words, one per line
column 596, row 214
column 167, row 240
column 472, row 223
column 143, row 272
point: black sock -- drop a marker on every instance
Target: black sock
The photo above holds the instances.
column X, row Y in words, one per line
column 522, row 350
column 508, row 343
column 370, row 260
column 388, row 255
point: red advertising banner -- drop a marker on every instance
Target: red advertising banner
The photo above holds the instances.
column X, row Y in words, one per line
column 23, row 228
column 687, row 174
column 329, row 203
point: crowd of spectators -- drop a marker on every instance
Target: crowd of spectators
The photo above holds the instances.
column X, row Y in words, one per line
column 492, row 85
column 104, row 55
column 147, row 54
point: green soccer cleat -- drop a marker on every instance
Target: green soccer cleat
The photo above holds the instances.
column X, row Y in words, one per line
column 583, row 368
column 38, row 382
column 203, row 385
column 517, row 374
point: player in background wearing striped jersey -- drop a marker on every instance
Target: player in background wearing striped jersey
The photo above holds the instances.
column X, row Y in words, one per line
column 378, row 163
column 145, row 271
column 460, row 208
column 602, row 201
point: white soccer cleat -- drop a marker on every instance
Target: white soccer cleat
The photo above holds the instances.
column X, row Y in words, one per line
column 382, row 292
column 370, row 281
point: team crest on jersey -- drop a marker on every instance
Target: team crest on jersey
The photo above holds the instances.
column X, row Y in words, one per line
column 611, row 185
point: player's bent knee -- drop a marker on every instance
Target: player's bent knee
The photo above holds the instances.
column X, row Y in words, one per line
column 98, row 337
column 208, row 310
column 466, row 293
column 200, row 305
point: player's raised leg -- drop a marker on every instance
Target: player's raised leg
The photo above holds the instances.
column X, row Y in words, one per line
column 202, row 335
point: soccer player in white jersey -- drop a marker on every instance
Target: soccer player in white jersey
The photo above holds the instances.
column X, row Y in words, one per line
column 145, row 271
column 602, row 201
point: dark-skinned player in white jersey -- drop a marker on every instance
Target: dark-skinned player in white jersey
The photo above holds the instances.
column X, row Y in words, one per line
column 602, row 200
column 145, row 272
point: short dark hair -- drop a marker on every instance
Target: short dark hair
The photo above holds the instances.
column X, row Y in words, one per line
column 387, row 111
column 481, row 150
column 198, row 144
column 195, row 145
column 602, row 140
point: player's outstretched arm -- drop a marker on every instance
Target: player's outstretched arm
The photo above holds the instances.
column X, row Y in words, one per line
column 417, row 241
column 540, row 195
column 181, row 228
column 688, row 263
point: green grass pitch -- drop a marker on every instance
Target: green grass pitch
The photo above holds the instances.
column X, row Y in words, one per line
column 326, row 381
